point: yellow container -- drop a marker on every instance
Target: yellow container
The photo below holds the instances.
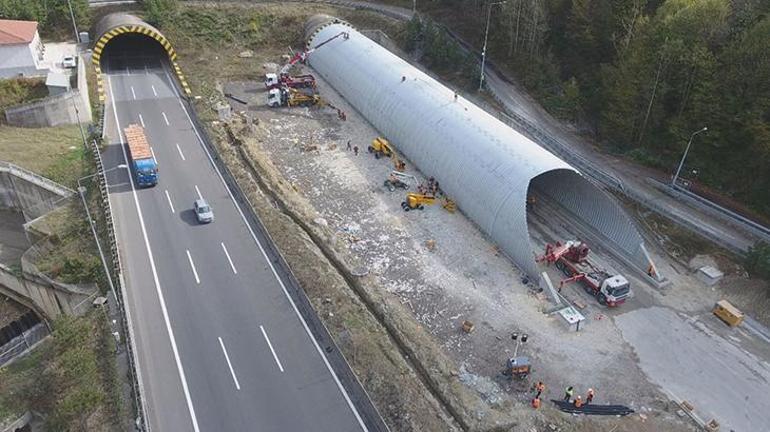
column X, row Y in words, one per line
column 728, row 313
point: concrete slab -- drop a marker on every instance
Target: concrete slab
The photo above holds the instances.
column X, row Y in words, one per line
column 690, row 361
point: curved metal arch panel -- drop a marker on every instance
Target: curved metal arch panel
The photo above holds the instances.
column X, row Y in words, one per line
column 484, row 165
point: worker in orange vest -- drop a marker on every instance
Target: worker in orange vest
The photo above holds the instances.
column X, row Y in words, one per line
column 536, row 403
column 539, row 388
column 578, row 402
column 590, row 396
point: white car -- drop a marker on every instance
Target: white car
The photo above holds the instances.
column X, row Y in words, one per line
column 69, row 62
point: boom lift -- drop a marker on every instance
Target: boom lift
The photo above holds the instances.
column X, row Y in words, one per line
column 415, row 201
column 572, row 259
column 381, row 147
column 398, row 180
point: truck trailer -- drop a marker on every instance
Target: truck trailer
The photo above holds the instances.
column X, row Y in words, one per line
column 572, row 259
column 143, row 163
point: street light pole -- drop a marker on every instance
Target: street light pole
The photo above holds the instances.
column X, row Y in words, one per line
column 684, row 156
column 484, row 49
column 81, row 191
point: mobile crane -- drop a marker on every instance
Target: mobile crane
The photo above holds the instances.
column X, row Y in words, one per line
column 283, row 79
column 572, row 259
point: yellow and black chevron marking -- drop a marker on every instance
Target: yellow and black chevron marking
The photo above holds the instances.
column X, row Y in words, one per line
column 106, row 37
column 99, row 84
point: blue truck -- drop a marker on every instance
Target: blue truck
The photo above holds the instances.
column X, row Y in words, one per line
column 144, row 165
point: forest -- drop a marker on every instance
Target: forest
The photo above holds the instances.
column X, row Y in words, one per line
column 639, row 77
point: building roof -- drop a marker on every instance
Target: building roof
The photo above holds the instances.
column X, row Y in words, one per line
column 17, row 32
column 57, row 79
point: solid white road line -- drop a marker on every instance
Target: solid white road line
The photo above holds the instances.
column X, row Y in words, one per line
column 153, row 89
column 228, row 258
column 128, row 71
column 192, row 265
column 168, row 197
column 146, row 72
column 198, row 191
column 180, row 152
column 132, row 92
column 153, row 155
column 275, row 356
column 230, row 365
column 264, row 254
column 141, row 120
column 165, row 118
column 154, row 270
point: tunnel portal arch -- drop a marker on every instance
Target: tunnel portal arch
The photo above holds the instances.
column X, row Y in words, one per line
column 112, row 26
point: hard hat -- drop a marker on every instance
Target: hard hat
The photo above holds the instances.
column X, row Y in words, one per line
column 579, row 397
column 590, row 390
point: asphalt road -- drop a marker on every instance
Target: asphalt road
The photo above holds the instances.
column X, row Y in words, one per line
column 221, row 346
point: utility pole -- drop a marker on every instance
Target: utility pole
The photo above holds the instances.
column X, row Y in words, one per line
column 684, row 156
column 74, row 26
column 484, row 49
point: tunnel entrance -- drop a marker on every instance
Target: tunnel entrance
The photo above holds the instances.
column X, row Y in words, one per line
column 132, row 51
column 562, row 205
column 124, row 41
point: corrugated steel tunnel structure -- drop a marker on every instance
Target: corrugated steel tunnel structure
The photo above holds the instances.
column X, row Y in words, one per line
column 485, row 166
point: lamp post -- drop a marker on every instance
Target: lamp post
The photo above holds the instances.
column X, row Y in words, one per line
column 684, row 156
column 484, row 49
column 81, row 191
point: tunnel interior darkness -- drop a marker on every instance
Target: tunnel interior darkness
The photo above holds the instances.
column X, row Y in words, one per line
column 131, row 51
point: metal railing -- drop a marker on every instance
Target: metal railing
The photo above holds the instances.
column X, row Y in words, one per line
column 23, row 342
column 119, row 292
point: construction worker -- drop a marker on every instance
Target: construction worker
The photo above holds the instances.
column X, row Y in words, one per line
column 355, row 150
column 578, row 402
column 589, row 396
column 539, row 389
column 349, row 146
column 536, row 402
column 568, row 393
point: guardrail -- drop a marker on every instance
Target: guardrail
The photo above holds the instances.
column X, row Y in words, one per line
column 705, row 204
column 119, row 292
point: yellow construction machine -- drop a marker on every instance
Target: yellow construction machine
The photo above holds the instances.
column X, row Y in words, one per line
column 381, row 147
column 415, row 201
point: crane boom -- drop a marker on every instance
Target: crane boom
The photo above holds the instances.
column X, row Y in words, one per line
column 303, row 55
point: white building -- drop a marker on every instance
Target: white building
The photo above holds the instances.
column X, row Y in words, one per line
column 21, row 49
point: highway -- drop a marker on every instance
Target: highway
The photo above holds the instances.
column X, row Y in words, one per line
column 220, row 344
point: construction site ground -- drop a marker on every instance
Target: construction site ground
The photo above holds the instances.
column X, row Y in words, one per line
column 333, row 219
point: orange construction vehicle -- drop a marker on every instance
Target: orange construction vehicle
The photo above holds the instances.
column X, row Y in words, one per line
column 572, row 259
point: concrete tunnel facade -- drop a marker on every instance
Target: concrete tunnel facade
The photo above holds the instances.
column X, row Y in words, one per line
column 116, row 24
column 486, row 167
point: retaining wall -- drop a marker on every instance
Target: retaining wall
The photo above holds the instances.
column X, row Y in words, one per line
column 55, row 110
